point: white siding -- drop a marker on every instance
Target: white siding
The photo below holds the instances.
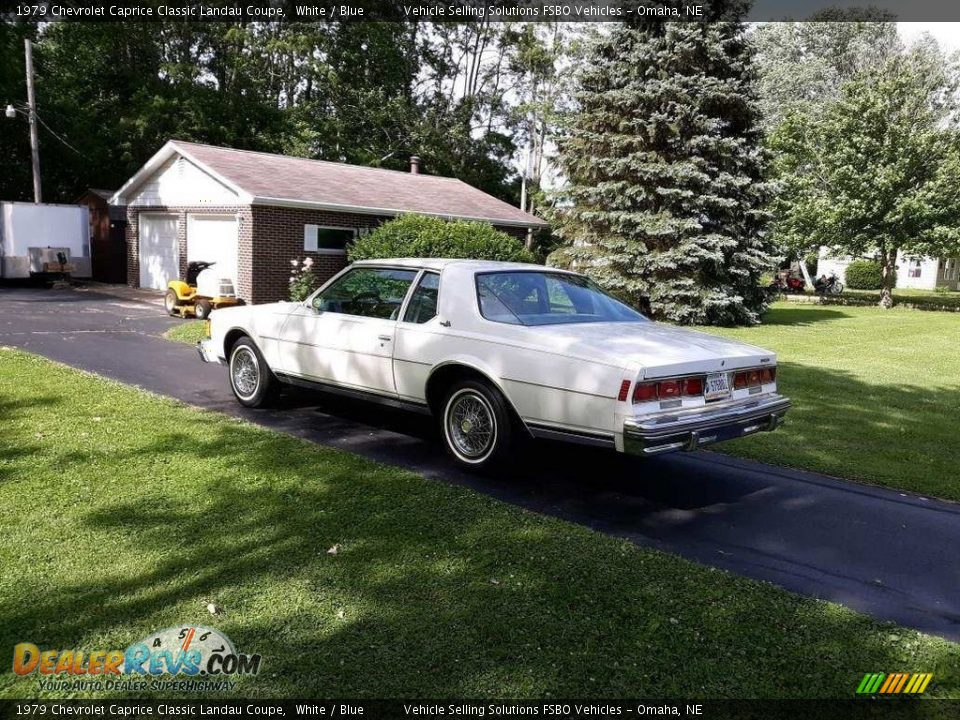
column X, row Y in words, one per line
column 918, row 273
column 179, row 182
column 829, row 265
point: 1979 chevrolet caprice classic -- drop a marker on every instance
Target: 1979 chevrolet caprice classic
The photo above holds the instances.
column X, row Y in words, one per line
column 494, row 349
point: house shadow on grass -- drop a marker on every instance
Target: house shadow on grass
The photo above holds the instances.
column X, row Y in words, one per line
column 435, row 591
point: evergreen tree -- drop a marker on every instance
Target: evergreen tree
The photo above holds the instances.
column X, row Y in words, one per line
column 665, row 168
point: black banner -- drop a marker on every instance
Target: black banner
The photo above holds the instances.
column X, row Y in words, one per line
column 461, row 709
column 474, row 10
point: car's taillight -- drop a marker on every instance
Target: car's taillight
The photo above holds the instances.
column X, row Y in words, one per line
column 694, row 386
column 754, row 377
column 644, row 392
column 669, row 389
column 624, row 391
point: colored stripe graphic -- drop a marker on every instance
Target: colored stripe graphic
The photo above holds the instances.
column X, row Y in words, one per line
column 894, row 683
column 870, row 683
column 891, row 681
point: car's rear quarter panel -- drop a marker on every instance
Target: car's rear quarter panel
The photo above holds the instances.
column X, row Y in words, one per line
column 545, row 386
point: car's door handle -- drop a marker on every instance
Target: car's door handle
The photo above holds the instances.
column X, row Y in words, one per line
column 386, row 338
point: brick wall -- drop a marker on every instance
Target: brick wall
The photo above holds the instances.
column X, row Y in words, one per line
column 269, row 238
column 278, row 234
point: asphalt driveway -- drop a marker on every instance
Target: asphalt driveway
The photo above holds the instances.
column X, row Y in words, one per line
column 885, row 553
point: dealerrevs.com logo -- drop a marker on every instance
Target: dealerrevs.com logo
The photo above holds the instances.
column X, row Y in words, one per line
column 186, row 658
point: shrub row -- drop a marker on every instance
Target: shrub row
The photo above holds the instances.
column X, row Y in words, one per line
column 429, row 237
column 949, row 302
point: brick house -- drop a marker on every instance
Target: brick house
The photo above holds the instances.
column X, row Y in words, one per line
column 252, row 213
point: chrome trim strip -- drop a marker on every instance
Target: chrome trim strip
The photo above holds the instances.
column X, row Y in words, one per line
column 411, row 362
column 573, row 436
column 354, row 393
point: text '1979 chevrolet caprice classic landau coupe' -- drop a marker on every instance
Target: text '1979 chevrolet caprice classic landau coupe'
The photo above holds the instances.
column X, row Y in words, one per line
column 494, row 349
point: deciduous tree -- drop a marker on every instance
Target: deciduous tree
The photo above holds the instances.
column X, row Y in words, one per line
column 878, row 171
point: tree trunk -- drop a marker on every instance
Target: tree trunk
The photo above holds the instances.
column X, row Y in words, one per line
column 889, row 278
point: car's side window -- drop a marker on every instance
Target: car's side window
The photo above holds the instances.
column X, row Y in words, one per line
column 423, row 302
column 368, row 292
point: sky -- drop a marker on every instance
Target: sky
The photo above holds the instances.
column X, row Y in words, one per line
column 946, row 33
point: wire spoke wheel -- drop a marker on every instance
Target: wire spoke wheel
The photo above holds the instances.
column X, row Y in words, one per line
column 244, row 372
column 471, row 425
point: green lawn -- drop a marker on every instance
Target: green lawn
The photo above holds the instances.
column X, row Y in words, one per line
column 187, row 331
column 124, row 513
column 876, row 394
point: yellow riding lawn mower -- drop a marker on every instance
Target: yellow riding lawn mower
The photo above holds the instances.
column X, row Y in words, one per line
column 202, row 292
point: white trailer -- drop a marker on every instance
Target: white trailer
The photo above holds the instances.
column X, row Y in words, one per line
column 33, row 237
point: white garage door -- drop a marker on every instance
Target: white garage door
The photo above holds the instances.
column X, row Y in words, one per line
column 213, row 238
column 159, row 251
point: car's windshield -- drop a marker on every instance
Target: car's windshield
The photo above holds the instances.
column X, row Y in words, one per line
column 529, row 297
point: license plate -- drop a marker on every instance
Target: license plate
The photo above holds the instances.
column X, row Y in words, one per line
column 717, row 387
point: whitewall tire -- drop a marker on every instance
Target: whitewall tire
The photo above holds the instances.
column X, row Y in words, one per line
column 475, row 424
column 252, row 382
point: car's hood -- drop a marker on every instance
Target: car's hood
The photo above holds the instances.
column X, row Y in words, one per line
column 659, row 350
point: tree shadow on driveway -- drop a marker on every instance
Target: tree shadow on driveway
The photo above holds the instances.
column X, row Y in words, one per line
column 434, row 592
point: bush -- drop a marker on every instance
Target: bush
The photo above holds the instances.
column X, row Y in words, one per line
column 425, row 237
column 302, row 281
column 864, row 275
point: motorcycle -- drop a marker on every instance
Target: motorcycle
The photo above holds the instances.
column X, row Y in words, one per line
column 828, row 285
column 783, row 284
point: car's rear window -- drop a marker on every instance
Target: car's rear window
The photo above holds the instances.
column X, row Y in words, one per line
column 530, row 297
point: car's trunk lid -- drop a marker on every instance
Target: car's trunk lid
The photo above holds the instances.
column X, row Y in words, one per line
column 660, row 350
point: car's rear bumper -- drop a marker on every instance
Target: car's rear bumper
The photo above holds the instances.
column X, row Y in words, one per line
column 208, row 353
column 692, row 429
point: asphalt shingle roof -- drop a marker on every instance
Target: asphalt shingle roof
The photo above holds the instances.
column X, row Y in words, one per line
column 292, row 179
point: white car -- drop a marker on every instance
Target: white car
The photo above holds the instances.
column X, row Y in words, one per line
column 494, row 349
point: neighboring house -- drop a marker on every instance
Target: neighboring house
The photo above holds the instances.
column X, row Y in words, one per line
column 252, row 213
column 921, row 273
column 108, row 242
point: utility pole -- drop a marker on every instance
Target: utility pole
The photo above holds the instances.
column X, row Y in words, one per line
column 32, row 107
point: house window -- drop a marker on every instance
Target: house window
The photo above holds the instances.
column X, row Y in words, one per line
column 914, row 268
column 326, row 239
